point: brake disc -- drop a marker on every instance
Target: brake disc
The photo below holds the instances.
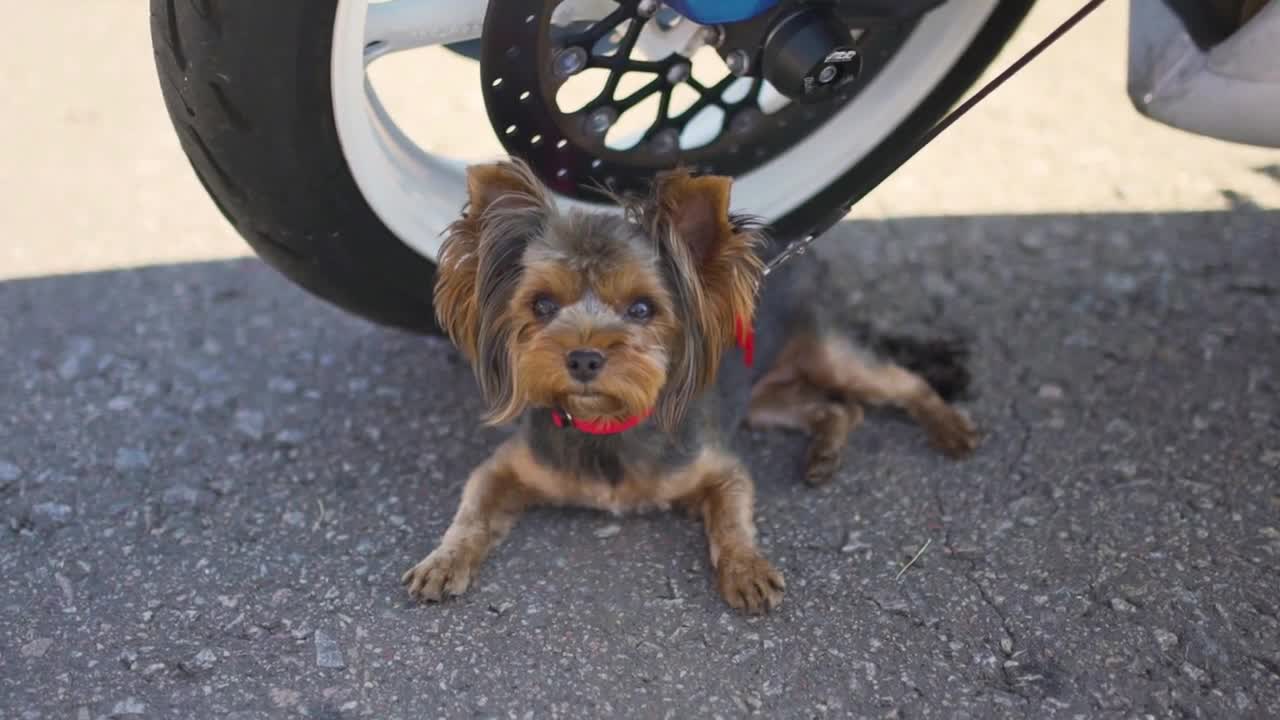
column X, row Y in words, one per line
column 600, row 94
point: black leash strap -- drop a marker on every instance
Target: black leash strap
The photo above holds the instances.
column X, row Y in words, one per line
column 798, row 247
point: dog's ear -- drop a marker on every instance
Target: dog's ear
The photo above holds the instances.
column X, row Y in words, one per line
column 509, row 184
column 480, row 267
column 500, row 196
column 713, row 262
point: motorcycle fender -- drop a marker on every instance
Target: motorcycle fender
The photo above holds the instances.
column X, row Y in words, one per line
column 1228, row 90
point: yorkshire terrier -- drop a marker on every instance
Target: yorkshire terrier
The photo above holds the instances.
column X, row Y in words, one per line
column 603, row 336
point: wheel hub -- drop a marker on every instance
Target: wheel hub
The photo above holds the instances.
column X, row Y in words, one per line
column 809, row 55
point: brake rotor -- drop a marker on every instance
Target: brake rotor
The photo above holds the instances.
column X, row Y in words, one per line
column 649, row 105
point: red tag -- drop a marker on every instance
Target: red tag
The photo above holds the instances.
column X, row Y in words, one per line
column 746, row 339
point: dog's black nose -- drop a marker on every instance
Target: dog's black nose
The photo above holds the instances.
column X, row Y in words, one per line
column 584, row 365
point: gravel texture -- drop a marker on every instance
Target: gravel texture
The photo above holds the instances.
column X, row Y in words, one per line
column 207, row 518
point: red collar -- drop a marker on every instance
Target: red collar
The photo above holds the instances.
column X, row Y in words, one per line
column 598, row 427
column 746, row 339
column 742, row 334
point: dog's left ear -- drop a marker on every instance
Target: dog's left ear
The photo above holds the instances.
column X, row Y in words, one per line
column 713, row 260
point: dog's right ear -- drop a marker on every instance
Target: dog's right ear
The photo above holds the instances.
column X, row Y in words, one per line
column 481, row 263
column 506, row 203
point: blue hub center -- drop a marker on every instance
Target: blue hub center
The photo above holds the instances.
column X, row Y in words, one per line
column 715, row 12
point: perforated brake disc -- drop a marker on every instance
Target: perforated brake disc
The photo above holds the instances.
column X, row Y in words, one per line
column 605, row 94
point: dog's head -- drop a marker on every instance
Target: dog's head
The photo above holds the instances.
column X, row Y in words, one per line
column 602, row 315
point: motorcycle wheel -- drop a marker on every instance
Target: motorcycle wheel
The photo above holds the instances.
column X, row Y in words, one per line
column 272, row 107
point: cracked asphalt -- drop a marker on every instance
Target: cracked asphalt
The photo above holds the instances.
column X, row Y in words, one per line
column 210, row 481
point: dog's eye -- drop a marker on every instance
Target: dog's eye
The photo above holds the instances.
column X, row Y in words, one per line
column 544, row 307
column 640, row 310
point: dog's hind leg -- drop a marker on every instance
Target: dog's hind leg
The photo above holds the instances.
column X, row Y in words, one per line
column 830, row 428
column 836, row 364
column 813, row 368
column 786, row 399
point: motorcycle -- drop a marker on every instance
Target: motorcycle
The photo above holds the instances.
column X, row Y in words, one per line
column 801, row 101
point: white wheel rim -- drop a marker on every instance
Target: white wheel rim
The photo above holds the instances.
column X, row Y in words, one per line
column 417, row 194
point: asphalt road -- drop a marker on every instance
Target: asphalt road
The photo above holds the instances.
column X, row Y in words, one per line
column 210, row 482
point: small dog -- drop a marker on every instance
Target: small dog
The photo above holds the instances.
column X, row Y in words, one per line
column 603, row 335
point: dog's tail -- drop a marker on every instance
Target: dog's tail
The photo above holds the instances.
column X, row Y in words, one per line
column 943, row 363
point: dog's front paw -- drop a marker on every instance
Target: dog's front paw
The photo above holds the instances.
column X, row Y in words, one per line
column 952, row 433
column 445, row 572
column 748, row 582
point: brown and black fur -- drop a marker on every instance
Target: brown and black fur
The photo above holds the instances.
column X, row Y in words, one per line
column 513, row 255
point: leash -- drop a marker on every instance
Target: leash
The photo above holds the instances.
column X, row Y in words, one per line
column 800, row 246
